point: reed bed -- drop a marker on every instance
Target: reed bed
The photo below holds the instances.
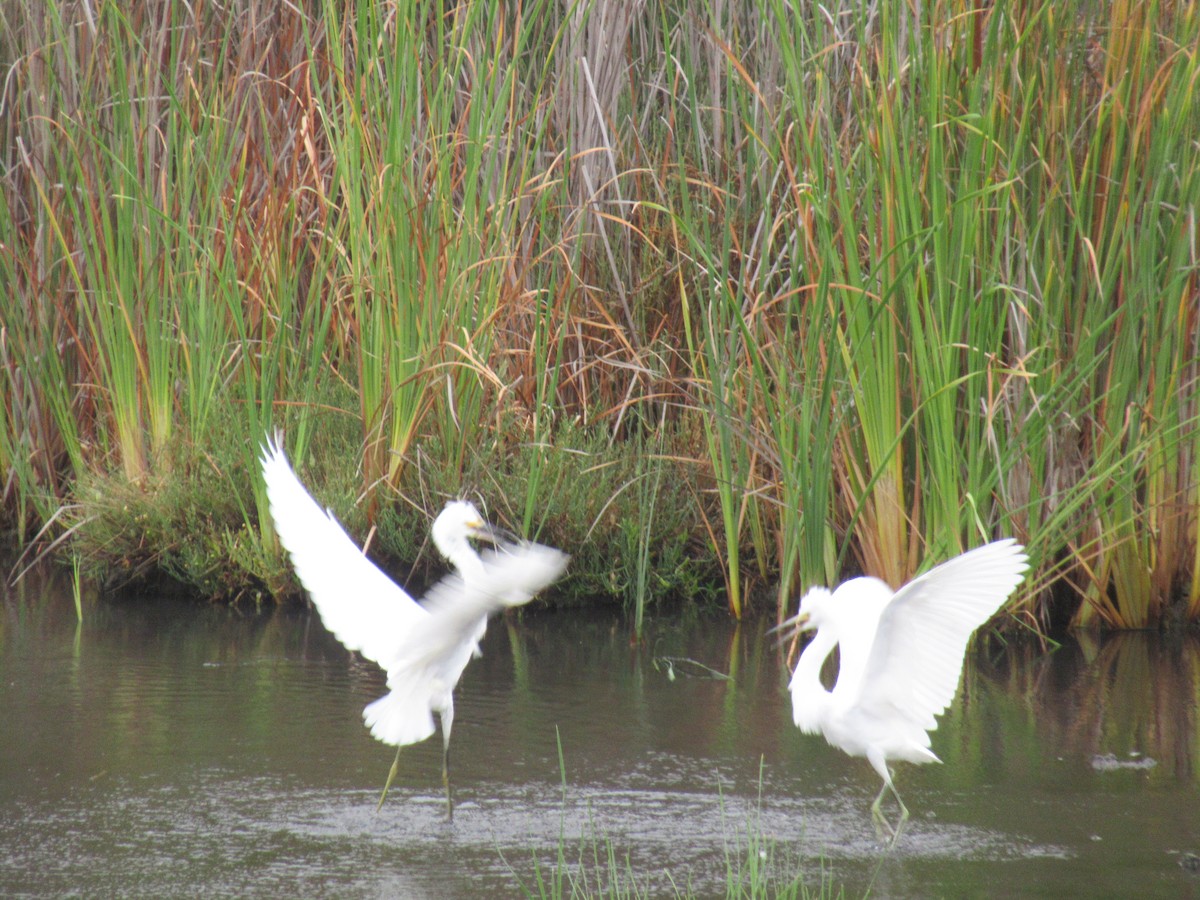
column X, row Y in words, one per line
column 751, row 295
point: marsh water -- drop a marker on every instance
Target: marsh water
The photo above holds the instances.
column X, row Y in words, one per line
column 163, row 748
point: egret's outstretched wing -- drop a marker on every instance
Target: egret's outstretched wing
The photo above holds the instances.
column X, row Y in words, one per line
column 364, row 609
column 512, row 575
column 914, row 664
column 430, row 657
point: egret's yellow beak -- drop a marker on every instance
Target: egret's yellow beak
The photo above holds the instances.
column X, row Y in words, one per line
column 483, row 531
column 789, row 628
column 477, row 528
column 795, row 623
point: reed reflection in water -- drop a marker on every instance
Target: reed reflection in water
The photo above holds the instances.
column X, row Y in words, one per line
column 165, row 748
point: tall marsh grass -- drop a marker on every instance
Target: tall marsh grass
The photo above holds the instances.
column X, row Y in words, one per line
column 801, row 290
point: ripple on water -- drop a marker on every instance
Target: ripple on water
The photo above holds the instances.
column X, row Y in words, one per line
column 177, row 751
column 220, row 827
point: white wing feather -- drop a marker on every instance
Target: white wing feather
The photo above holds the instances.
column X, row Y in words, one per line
column 423, row 647
column 364, row 609
column 913, row 669
column 430, row 657
column 455, row 607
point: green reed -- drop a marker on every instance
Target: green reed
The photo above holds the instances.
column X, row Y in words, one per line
column 892, row 280
column 641, row 541
column 1106, row 247
column 433, row 161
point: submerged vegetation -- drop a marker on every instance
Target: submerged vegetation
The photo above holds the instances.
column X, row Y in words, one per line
column 726, row 299
column 755, row 864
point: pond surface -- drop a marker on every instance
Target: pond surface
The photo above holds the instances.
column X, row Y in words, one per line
column 162, row 748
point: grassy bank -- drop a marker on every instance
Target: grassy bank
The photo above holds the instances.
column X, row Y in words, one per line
column 725, row 299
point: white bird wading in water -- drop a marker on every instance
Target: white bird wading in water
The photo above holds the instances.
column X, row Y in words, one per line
column 424, row 647
column 901, row 655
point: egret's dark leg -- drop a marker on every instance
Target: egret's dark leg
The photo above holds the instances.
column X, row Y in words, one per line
column 882, row 827
column 446, row 781
column 391, row 775
column 878, row 761
column 903, row 815
column 447, row 718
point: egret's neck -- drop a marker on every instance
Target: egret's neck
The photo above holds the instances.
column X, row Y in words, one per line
column 862, row 601
column 463, row 557
column 810, row 699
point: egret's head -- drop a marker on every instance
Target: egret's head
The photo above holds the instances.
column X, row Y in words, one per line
column 457, row 522
column 815, row 608
column 813, row 612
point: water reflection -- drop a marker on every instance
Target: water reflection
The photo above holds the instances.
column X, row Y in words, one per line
column 167, row 748
column 1131, row 698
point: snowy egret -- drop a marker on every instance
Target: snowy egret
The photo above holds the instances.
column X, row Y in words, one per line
column 900, row 657
column 424, row 647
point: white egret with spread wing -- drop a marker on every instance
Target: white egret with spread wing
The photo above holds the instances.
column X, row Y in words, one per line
column 900, row 657
column 424, row 647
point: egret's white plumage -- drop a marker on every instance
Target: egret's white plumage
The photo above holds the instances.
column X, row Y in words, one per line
column 900, row 656
column 424, row 647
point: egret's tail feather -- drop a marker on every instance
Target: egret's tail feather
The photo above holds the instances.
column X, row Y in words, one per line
column 807, row 717
column 400, row 718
